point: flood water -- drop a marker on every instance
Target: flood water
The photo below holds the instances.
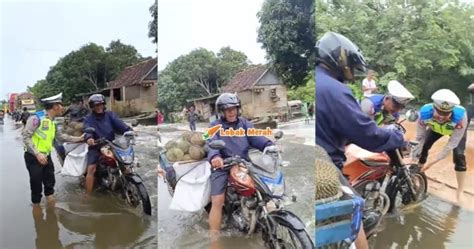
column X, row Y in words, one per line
column 188, row 230
column 435, row 224
column 102, row 221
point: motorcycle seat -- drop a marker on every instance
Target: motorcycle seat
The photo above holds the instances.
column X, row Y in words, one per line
column 373, row 163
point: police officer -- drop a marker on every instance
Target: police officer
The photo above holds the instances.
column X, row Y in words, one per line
column 38, row 136
column 443, row 117
column 384, row 108
column 339, row 118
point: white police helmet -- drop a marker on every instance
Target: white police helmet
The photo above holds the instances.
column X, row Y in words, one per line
column 399, row 93
column 444, row 100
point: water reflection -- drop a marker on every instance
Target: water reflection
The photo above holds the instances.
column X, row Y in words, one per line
column 46, row 227
column 429, row 226
column 106, row 228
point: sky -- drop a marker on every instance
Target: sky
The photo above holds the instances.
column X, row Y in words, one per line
column 34, row 35
column 184, row 25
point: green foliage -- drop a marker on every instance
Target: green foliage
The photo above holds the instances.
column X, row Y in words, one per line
column 287, row 34
column 426, row 45
column 85, row 70
column 304, row 93
column 197, row 74
column 356, row 91
column 153, row 24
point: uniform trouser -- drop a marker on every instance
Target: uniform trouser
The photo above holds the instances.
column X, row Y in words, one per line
column 459, row 159
column 40, row 175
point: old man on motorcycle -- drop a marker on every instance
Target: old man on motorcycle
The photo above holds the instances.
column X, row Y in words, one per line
column 106, row 124
column 228, row 105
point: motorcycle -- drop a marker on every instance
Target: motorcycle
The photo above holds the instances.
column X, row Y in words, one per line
column 386, row 181
column 255, row 196
column 115, row 170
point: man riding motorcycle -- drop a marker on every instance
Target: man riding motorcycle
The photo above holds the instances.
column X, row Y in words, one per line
column 443, row 117
column 106, row 124
column 228, row 106
column 339, row 118
column 384, row 108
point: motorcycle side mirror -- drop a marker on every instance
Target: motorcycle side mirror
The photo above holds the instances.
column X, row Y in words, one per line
column 89, row 130
column 134, row 123
column 278, row 135
column 217, row 144
column 411, row 115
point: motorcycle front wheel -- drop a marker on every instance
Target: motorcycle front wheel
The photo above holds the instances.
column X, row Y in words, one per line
column 287, row 237
column 137, row 195
column 400, row 196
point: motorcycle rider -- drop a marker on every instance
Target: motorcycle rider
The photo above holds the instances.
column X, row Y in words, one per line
column 339, row 118
column 38, row 136
column 444, row 117
column 384, row 108
column 106, row 124
column 228, row 105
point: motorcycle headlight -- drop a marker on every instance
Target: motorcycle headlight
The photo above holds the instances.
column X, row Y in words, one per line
column 277, row 189
column 127, row 159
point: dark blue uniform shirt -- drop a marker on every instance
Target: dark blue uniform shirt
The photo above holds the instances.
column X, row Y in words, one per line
column 105, row 125
column 340, row 121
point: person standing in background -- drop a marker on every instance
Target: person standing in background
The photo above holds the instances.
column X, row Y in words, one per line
column 192, row 118
column 368, row 84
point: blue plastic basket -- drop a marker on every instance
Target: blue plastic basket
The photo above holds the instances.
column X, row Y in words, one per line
column 344, row 229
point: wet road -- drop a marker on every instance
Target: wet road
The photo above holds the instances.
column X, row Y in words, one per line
column 186, row 230
column 435, row 224
column 103, row 221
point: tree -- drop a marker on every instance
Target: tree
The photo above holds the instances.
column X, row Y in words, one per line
column 85, row 70
column 153, row 24
column 197, row 74
column 287, row 34
column 426, row 45
column 229, row 63
column 304, row 93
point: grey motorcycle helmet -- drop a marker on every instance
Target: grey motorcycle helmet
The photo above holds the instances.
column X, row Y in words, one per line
column 227, row 100
column 343, row 57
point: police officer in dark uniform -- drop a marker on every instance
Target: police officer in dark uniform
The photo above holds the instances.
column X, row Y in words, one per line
column 38, row 136
column 339, row 118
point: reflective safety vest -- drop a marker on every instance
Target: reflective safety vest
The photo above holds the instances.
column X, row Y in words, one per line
column 44, row 135
column 426, row 115
column 380, row 116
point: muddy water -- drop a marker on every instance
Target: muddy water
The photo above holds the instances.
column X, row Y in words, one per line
column 435, row 224
column 186, row 230
column 102, row 221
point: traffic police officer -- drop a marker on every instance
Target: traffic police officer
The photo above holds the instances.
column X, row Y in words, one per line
column 38, row 136
column 384, row 108
column 443, row 117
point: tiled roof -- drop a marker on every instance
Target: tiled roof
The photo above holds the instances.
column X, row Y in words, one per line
column 245, row 79
column 134, row 74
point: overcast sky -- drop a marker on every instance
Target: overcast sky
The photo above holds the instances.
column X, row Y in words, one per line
column 35, row 34
column 184, row 25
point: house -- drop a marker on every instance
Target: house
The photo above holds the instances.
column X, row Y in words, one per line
column 205, row 106
column 134, row 91
column 260, row 90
